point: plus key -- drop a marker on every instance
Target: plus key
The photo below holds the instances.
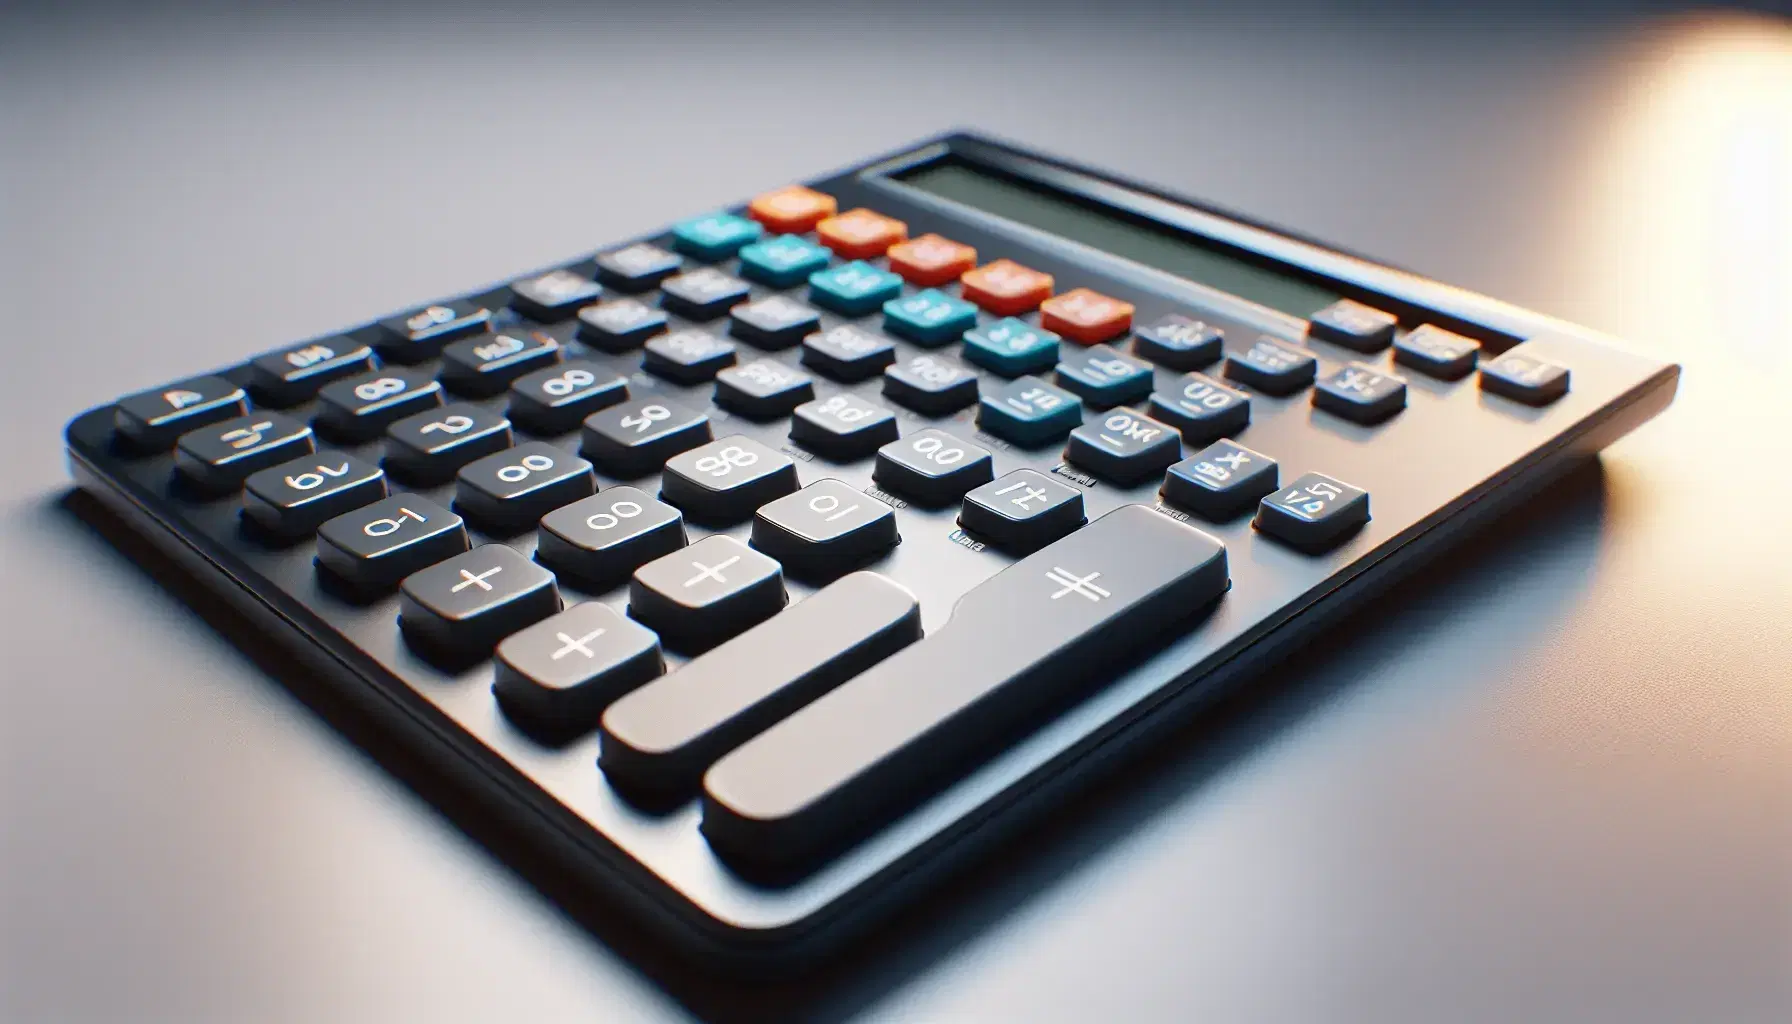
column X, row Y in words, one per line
column 701, row 595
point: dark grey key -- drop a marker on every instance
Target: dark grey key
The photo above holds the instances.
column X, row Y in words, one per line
column 372, row 548
column 1524, row 379
column 513, row 489
column 1202, row 408
column 689, row 356
column 1037, row 634
column 293, row 499
column 1353, row 325
column 219, row 456
column 417, row 336
column 932, row 467
column 358, row 408
column 660, row 738
column 1220, row 481
column 557, row 399
column 461, row 608
column 598, row 542
column 555, row 678
column 485, row 364
column 430, row 446
column 1022, row 511
column 553, row 296
column 842, row 427
column 1313, row 513
column 763, row 389
column 723, row 481
column 1124, row 447
column 706, row 593
column 930, row 384
column 847, row 353
column 1272, row 367
column 1361, row 394
column 1179, row 342
column 1436, row 352
column 152, row 420
column 620, row 324
column 703, row 294
column 825, row 530
column 773, row 322
column 636, row 438
column 638, row 267
column 290, row 375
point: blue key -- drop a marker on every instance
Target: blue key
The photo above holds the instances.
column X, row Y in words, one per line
column 929, row 317
column 782, row 260
column 1029, row 411
column 714, row 236
column 1011, row 347
column 854, row 288
column 1104, row 377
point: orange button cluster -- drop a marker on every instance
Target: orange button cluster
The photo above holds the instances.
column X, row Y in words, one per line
column 792, row 209
column 1006, row 288
column 861, row 234
column 1086, row 316
column 931, row 260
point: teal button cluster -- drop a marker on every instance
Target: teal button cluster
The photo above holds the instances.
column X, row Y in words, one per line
column 714, row 236
column 854, row 288
column 1029, row 411
column 930, row 317
column 1012, row 347
column 782, row 260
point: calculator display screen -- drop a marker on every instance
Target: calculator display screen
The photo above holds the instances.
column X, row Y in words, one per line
column 1110, row 230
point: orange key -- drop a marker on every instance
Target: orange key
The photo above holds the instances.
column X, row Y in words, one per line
column 792, row 209
column 860, row 234
column 1006, row 287
column 1086, row 316
column 931, row 260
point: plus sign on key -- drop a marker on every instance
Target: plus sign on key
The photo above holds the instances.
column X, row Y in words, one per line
column 458, row 610
column 555, row 678
column 699, row 596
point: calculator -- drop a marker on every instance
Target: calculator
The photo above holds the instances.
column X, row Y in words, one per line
column 755, row 574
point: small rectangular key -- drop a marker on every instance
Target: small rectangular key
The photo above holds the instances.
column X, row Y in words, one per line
column 1032, row 635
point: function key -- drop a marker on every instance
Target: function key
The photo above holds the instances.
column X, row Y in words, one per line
column 635, row 438
column 932, row 467
column 929, row 317
column 620, row 324
column 1105, row 377
column 853, row 289
column 1360, row 394
column 763, row 389
column 860, row 234
column 555, row 678
column 218, row 456
column 1006, row 288
column 714, row 236
column 1124, row 447
column 599, row 541
column 430, row 446
column 1220, row 481
column 1022, row 511
column 1011, row 347
column 292, row 499
column 706, row 593
column 842, row 427
column 1272, row 367
column 360, row 407
column 774, row 322
column 511, row 490
column 638, row 267
column 293, row 374
column 1087, row 316
column 703, row 294
column 722, row 482
column 825, row 530
column 1028, row 411
column 791, row 209
column 152, row 420
column 1179, row 342
column 1524, row 379
column 487, row 363
column 847, row 353
column 553, row 296
column 374, row 547
column 931, row 260
column 556, row 399
column 414, row 337
column 931, row 385
column 1202, row 408
column 689, row 356
column 1436, row 352
column 783, row 261
column 1353, row 325
column 461, row 608
column 1313, row 513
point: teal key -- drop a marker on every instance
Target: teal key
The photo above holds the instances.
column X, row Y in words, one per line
column 714, row 236
column 782, row 260
column 1011, row 347
column 1029, row 412
column 854, row 288
column 929, row 317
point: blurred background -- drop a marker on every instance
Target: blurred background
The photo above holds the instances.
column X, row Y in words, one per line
column 1551, row 782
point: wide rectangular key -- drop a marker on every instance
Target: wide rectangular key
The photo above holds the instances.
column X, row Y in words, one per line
column 660, row 738
column 1016, row 646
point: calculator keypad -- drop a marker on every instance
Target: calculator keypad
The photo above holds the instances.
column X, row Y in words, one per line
column 842, row 427
column 930, row 384
column 485, row 364
column 600, row 540
column 1272, row 367
column 290, row 375
column 824, row 530
column 1202, row 408
column 430, row 446
column 763, row 389
column 724, row 481
column 1313, row 513
column 509, row 491
column 554, row 400
column 637, row 268
column 1220, row 481
column 459, row 609
column 1124, row 447
column 703, row 294
column 1179, row 342
column 620, row 324
column 1028, row 411
column 358, row 408
column 1360, row 393
column 688, row 357
column 932, row 467
column 1104, row 377
column 292, row 499
column 372, row 548
column 635, row 438
column 773, row 323
column 218, row 457
column 1022, row 511
column 553, row 296
column 418, row 336
column 847, row 353
column 701, row 595
column 153, row 419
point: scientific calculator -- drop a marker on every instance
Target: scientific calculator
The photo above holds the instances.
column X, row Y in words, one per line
column 755, row 573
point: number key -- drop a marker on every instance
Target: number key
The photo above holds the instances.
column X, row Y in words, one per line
column 1272, row 367
column 689, row 356
column 635, row 438
column 556, row 399
column 763, row 389
column 827, row 529
column 290, row 375
column 1022, row 511
column 152, row 420
column 932, row 467
column 702, row 294
column 930, row 384
column 360, row 407
column 847, row 353
column 372, row 548
column 291, row 500
column 1361, row 394
column 1313, row 513
column 724, row 481
column 484, row 364
column 218, row 457
column 553, row 296
column 599, row 541
column 1124, row 447
column 509, row 491
column 414, row 337
column 430, row 446
column 842, row 427
column 638, row 267
column 1202, row 408
column 774, row 322
column 620, row 324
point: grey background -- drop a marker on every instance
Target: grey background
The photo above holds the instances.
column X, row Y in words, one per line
column 1550, row 781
